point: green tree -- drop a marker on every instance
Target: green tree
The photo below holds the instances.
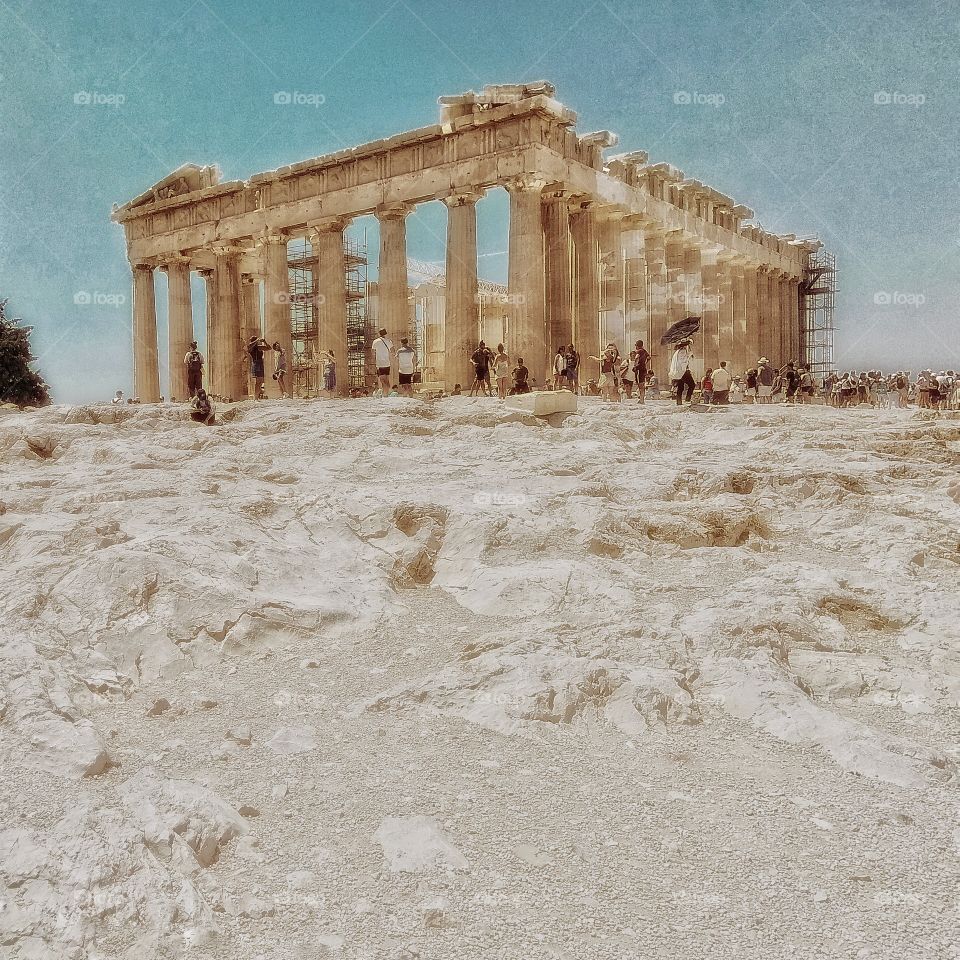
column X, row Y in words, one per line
column 19, row 383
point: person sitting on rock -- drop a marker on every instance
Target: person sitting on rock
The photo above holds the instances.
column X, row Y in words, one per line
column 520, row 376
column 201, row 408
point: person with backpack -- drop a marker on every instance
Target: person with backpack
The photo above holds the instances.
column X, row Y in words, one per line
column 765, row 378
column 641, row 363
column 706, row 386
column 255, row 349
column 481, row 359
column 193, row 361
column 406, row 366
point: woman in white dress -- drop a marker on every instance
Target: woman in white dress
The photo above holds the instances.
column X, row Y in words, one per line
column 501, row 370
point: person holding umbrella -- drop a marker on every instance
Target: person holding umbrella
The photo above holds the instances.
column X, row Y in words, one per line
column 680, row 375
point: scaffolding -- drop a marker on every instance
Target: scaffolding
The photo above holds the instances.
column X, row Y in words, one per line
column 304, row 314
column 818, row 294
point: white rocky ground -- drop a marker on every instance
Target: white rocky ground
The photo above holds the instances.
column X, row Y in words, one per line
column 397, row 680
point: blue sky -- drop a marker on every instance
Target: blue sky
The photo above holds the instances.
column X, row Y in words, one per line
column 799, row 135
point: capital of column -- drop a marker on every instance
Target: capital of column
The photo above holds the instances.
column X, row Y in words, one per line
column 394, row 211
column 326, row 226
column 143, row 265
column 461, row 198
column 171, row 260
column 228, row 250
column 270, row 235
column 523, row 183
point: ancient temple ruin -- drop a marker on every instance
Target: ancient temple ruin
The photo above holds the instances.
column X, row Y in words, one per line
column 600, row 248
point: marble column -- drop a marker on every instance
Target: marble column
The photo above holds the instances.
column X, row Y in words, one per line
column 796, row 322
column 675, row 253
column 764, row 283
column 738, row 361
column 558, row 267
column 393, row 309
column 526, row 278
column 586, row 326
column 276, row 301
column 180, row 323
column 226, row 379
column 612, row 305
column 710, row 329
column 250, row 325
column 146, row 358
column 693, row 281
column 210, row 314
column 462, row 308
column 326, row 237
column 634, row 284
column 656, row 311
column 725, row 342
column 752, row 301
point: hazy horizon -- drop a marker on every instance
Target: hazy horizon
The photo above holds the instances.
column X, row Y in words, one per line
column 839, row 123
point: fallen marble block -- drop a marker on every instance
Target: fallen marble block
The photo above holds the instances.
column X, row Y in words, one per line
column 543, row 403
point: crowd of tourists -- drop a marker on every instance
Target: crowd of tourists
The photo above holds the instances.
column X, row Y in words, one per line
column 619, row 377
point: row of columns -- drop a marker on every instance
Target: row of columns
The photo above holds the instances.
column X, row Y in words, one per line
column 571, row 260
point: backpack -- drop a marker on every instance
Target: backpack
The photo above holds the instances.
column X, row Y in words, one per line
column 194, row 361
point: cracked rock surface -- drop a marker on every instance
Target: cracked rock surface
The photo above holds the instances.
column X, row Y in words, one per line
column 373, row 680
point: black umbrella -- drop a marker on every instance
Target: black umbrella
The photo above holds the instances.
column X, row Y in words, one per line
column 680, row 330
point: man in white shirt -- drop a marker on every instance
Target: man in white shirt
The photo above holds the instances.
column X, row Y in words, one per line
column 382, row 350
column 406, row 367
column 721, row 384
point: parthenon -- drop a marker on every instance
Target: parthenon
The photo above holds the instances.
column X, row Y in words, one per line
column 600, row 248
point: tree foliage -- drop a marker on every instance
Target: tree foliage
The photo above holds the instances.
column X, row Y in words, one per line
column 19, row 383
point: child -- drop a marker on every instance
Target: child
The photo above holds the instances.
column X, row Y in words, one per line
column 706, row 386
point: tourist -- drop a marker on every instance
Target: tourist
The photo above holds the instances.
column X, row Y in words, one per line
column 329, row 366
column 791, row 382
column 706, row 386
column 573, row 369
column 901, row 385
column 481, row 359
column 653, row 385
column 193, row 361
column 641, row 363
column 382, row 352
column 609, row 364
column 750, row 386
column 520, row 375
column 280, row 368
column 680, row 375
column 627, row 376
column 255, row 349
column 457, row 390
column 807, row 384
column 560, row 367
column 406, row 366
column 721, row 385
column 201, row 408
column 501, row 370
column 117, row 397
column 765, row 377
column 736, row 391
